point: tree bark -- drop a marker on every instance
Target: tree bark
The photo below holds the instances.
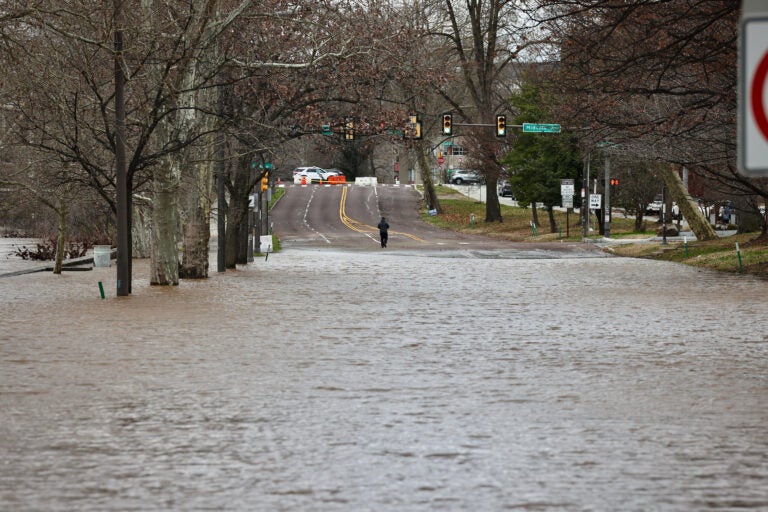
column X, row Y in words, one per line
column 534, row 213
column 165, row 225
column 430, row 196
column 552, row 222
column 237, row 214
column 61, row 239
column 197, row 227
column 690, row 210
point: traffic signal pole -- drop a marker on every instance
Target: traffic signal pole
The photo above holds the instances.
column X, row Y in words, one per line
column 607, row 208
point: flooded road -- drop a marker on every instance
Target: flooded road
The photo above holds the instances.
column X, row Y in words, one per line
column 387, row 381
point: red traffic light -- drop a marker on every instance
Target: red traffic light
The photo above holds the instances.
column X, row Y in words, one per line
column 615, row 182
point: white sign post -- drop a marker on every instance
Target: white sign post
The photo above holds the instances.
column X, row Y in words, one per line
column 753, row 85
column 595, row 200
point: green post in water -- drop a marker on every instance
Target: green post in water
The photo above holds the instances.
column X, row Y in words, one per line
column 101, row 290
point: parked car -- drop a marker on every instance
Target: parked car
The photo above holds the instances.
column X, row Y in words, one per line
column 298, row 170
column 333, row 172
column 461, row 176
column 505, row 190
column 654, row 207
column 311, row 174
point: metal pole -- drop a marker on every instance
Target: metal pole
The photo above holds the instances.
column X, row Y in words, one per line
column 221, row 197
column 585, row 202
column 258, row 221
column 607, row 207
column 121, row 170
column 664, row 215
column 251, row 234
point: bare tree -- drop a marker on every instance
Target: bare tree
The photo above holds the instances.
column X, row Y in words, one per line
column 657, row 77
column 485, row 39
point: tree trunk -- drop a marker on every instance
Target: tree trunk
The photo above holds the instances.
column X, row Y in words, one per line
column 492, row 205
column 430, row 196
column 696, row 220
column 61, row 239
column 639, row 220
column 165, row 224
column 237, row 214
column 197, row 236
column 141, row 230
column 552, row 222
column 534, row 213
column 197, row 228
column 600, row 222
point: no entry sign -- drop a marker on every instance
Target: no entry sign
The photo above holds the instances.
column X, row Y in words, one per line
column 753, row 94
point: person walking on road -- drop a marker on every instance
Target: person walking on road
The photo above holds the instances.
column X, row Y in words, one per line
column 383, row 227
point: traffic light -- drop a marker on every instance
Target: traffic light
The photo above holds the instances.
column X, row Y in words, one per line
column 265, row 182
column 413, row 128
column 349, row 129
column 447, row 124
column 614, row 182
column 501, row 126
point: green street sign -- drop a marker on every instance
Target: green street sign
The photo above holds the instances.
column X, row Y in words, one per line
column 326, row 129
column 541, row 128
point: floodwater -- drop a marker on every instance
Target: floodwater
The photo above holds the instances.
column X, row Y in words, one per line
column 384, row 381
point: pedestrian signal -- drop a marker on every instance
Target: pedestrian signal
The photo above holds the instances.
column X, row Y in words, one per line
column 447, row 124
column 615, row 182
column 501, row 126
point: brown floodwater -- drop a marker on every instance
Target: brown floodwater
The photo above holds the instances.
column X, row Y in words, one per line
column 322, row 380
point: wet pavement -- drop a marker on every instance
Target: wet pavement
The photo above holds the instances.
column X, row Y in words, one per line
column 385, row 380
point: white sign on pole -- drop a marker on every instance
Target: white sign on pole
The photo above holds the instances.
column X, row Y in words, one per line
column 595, row 200
column 568, row 201
column 753, row 88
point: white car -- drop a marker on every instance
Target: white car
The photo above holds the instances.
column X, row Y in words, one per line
column 311, row 175
column 333, row 172
column 654, row 207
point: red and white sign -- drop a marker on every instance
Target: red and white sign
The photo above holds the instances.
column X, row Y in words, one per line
column 440, row 160
column 753, row 96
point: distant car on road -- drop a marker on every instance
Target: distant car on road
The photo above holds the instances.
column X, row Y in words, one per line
column 310, row 175
column 505, row 190
column 460, row 176
column 312, row 168
column 654, row 207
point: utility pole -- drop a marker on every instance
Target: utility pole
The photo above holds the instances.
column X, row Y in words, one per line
column 607, row 207
column 585, row 201
column 121, row 170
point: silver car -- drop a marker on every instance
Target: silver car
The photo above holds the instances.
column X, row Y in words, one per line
column 460, row 176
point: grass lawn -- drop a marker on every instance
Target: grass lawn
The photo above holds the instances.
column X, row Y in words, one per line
column 458, row 212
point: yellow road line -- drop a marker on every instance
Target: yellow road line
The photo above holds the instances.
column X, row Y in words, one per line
column 355, row 225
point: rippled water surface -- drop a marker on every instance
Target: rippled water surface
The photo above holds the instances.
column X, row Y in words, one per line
column 383, row 381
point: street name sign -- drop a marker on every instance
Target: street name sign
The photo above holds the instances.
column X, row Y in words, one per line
column 753, row 87
column 541, row 128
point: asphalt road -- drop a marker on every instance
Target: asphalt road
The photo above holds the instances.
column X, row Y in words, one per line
column 345, row 217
